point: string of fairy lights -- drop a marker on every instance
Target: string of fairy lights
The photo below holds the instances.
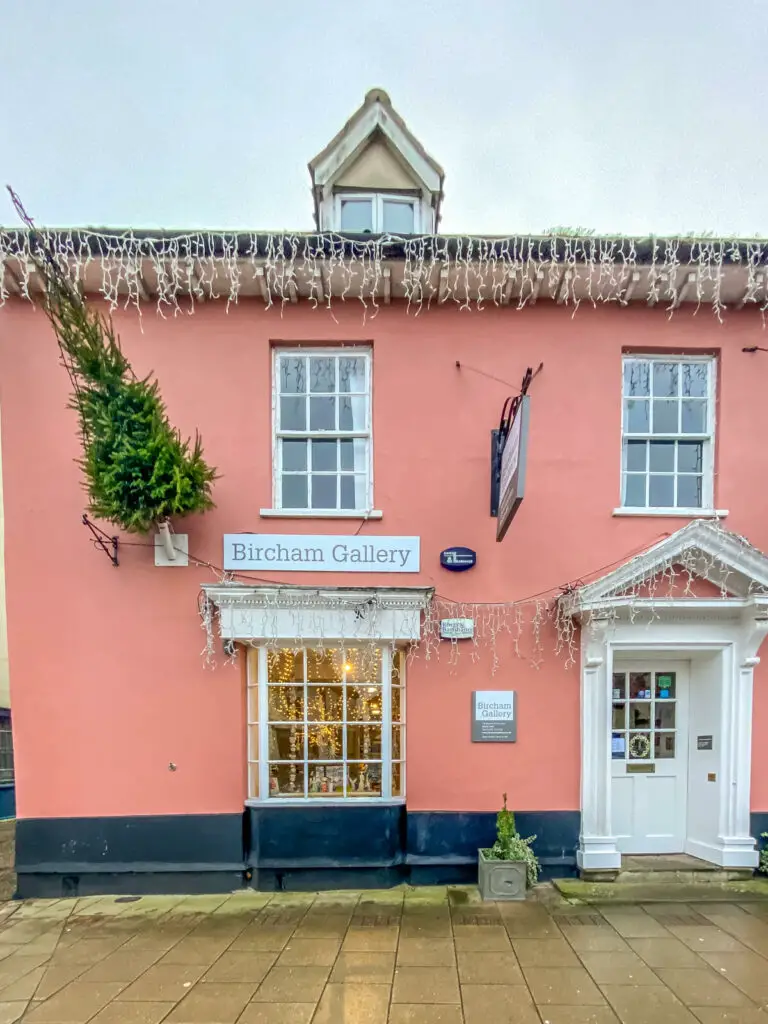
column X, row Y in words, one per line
column 469, row 272
column 527, row 629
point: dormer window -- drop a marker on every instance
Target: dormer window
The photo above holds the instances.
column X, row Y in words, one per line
column 377, row 213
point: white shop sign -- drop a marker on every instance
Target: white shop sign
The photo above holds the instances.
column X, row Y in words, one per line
column 310, row 553
column 457, row 629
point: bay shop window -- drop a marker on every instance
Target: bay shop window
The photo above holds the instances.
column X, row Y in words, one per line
column 326, row 723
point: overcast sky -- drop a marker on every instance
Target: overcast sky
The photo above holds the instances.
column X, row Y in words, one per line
column 615, row 115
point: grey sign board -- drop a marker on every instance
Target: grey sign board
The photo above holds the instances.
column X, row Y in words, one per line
column 494, row 716
column 703, row 742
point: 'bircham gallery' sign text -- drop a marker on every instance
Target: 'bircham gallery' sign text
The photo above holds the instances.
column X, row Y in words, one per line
column 309, row 553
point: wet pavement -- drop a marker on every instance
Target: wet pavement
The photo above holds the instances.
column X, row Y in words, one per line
column 404, row 956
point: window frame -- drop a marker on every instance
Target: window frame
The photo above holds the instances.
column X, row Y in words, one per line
column 707, row 438
column 338, row 352
column 257, row 680
column 378, row 199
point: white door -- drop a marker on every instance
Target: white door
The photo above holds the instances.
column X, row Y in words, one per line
column 649, row 763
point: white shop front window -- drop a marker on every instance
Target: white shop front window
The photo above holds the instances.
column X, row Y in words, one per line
column 326, row 723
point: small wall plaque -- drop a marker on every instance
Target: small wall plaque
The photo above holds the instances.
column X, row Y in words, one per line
column 494, row 717
column 704, row 743
column 457, row 629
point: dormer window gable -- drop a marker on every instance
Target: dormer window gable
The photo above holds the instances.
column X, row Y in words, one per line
column 375, row 177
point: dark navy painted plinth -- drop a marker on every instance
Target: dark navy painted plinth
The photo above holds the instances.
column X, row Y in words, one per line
column 273, row 848
column 7, row 801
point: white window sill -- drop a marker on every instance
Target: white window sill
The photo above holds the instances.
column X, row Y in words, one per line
column 319, row 513
column 313, row 801
column 687, row 513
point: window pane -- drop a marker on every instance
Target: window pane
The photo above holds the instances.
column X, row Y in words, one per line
column 665, row 715
column 286, row 742
column 286, row 703
column 662, row 456
column 619, row 685
column 286, row 780
column 326, row 780
column 356, row 215
column 353, row 492
column 661, row 491
column 396, row 711
column 639, row 746
column 363, row 664
column 636, row 378
column 324, row 455
column 664, row 745
column 397, row 780
column 293, row 414
column 324, row 491
column 636, row 416
column 294, row 488
column 325, row 704
column 665, row 380
column 665, row 416
column 352, row 374
column 364, row 742
column 325, row 742
column 639, row 685
column 694, row 416
column 364, row 780
column 354, row 454
column 635, row 455
column 292, row 375
column 352, row 413
column 619, row 716
column 322, row 413
column 322, row 374
column 690, row 457
column 285, row 666
column 294, row 455
column 364, row 703
column 639, row 716
column 397, row 217
column 666, row 685
column 634, row 490
column 396, row 742
column 695, row 380
column 689, row 492
column 324, row 666
column 618, row 746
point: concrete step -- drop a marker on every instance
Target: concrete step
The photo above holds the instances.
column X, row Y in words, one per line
column 576, row 890
column 668, row 869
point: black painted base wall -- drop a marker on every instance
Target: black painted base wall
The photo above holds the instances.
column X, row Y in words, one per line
column 272, row 848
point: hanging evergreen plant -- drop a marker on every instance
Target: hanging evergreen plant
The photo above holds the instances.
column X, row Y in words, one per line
column 138, row 470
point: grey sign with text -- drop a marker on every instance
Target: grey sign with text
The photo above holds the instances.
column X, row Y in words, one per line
column 494, row 716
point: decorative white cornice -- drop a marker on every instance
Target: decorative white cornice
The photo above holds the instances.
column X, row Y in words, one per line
column 236, row 595
column 704, row 549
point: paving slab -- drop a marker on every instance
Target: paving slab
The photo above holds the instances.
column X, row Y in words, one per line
column 404, row 956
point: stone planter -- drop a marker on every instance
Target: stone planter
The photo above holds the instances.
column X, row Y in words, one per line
column 501, row 879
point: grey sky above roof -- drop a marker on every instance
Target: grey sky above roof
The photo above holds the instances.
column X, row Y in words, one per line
column 614, row 116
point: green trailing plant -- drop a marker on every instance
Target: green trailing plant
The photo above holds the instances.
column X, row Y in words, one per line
column 510, row 845
column 138, row 469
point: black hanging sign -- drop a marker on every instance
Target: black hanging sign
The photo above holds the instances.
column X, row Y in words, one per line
column 458, row 559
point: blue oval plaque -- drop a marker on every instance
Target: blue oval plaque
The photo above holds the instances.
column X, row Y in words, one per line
column 458, row 559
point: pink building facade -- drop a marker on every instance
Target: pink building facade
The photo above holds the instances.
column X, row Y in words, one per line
column 274, row 705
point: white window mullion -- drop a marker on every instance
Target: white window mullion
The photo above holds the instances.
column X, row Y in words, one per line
column 386, row 723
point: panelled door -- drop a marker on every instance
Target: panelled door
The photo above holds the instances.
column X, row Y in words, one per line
column 649, row 756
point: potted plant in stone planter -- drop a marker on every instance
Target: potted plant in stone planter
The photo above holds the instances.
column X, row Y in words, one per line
column 510, row 865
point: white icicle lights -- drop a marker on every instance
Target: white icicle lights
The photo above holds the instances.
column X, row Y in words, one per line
column 176, row 270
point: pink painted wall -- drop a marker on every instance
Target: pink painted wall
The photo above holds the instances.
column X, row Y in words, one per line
column 107, row 680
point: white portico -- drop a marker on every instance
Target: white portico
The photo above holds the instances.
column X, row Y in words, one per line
column 670, row 641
